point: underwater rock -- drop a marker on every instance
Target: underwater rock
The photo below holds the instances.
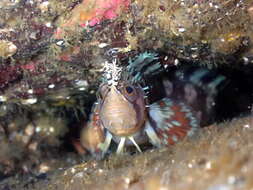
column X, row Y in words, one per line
column 50, row 38
column 53, row 63
column 220, row 157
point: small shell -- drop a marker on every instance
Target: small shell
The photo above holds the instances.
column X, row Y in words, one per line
column 7, row 49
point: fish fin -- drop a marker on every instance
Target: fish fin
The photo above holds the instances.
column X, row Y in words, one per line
column 170, row 121
column 121, row 145
column 131, row 138
column 150, row 131
column 122, row 142
column 143, row 65
column 104, row 146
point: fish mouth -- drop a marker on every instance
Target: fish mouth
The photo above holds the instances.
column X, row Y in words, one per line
column 121, row 130
column 115, row 111
column 118, row 119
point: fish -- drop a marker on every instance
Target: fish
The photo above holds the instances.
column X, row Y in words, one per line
column 125, row 113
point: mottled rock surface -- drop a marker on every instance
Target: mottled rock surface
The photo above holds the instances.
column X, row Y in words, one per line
column 51, row 58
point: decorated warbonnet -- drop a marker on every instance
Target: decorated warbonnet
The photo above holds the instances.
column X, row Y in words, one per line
column 123, row 114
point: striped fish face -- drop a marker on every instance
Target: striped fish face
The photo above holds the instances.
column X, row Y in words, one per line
column 122, row 108
column 189, row 104
column 120, row 111
column 197, row 88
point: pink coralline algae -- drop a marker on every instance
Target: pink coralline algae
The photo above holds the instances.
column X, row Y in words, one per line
column 92, row 12
column 108, row 9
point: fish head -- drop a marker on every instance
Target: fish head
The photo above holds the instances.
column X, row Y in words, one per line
column 122, row 108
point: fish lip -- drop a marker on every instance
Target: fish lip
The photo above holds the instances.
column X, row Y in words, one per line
column 115, row 111
column 120, row 129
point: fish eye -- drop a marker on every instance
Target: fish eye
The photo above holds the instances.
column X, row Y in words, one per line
column 129, row 89
column 130, row 92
